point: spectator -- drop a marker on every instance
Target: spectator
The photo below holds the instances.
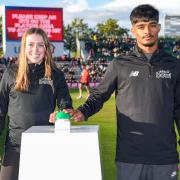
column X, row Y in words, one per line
column 84, row 81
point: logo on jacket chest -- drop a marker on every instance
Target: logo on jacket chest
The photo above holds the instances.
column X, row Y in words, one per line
column 163, row 74
column 47, row 82
column 134, row 74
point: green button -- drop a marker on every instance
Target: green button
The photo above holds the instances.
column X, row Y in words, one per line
column 63, row 115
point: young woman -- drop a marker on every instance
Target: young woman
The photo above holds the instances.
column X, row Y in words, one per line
column 29, row 93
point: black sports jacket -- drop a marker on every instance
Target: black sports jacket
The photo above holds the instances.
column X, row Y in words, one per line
column 147, row 103
column 26, row 109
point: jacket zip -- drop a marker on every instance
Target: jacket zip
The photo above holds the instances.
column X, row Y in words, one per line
column 150, row 67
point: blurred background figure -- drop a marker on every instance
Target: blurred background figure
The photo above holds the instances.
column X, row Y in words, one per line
column 84, row 81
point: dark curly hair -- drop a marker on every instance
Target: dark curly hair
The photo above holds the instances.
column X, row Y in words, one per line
column 144, row 12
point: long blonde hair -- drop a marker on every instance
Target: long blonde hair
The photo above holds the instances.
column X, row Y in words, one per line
column 22, row 81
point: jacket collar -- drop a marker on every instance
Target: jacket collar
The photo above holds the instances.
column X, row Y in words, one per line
column 36, row 67
column 156, row 56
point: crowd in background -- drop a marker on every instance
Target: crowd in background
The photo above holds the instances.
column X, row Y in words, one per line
column 100, row 53
column 4, row 62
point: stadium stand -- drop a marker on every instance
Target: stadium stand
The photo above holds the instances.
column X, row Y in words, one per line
column 101, row 52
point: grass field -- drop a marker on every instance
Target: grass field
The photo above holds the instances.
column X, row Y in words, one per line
column 107, row 122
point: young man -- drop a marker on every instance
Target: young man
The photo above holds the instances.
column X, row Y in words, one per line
column 147, row 89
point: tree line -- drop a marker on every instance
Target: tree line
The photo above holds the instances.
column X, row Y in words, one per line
column 81, row 30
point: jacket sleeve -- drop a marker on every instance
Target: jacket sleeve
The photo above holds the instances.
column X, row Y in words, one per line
column 177, row 104
column 63, row 96
column 102, row 93
column 4, row 99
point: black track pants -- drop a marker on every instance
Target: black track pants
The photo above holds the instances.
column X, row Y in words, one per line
column 128, row 171
column 10, row 166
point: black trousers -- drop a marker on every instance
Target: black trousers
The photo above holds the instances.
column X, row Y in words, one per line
column 128, row 171
column 10, row 166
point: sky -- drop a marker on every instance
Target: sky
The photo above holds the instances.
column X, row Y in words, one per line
column 98, row 11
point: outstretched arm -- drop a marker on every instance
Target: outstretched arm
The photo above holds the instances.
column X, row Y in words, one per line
column 177, row 104
column 98, row 96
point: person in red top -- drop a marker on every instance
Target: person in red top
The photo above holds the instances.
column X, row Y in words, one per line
column 84, row 81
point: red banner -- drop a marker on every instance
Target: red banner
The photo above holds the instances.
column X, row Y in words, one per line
column 19, row 19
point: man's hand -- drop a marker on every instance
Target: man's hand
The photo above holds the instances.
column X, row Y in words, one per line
column 78, row 116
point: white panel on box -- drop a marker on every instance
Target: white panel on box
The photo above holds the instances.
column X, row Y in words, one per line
column 73, row 155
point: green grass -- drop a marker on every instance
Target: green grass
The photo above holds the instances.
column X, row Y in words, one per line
column 106, row 119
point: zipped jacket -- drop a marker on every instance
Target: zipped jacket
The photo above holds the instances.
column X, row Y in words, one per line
column 147, row 97
column 31, row 108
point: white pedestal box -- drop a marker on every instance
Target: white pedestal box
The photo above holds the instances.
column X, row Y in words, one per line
column 74, row 155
